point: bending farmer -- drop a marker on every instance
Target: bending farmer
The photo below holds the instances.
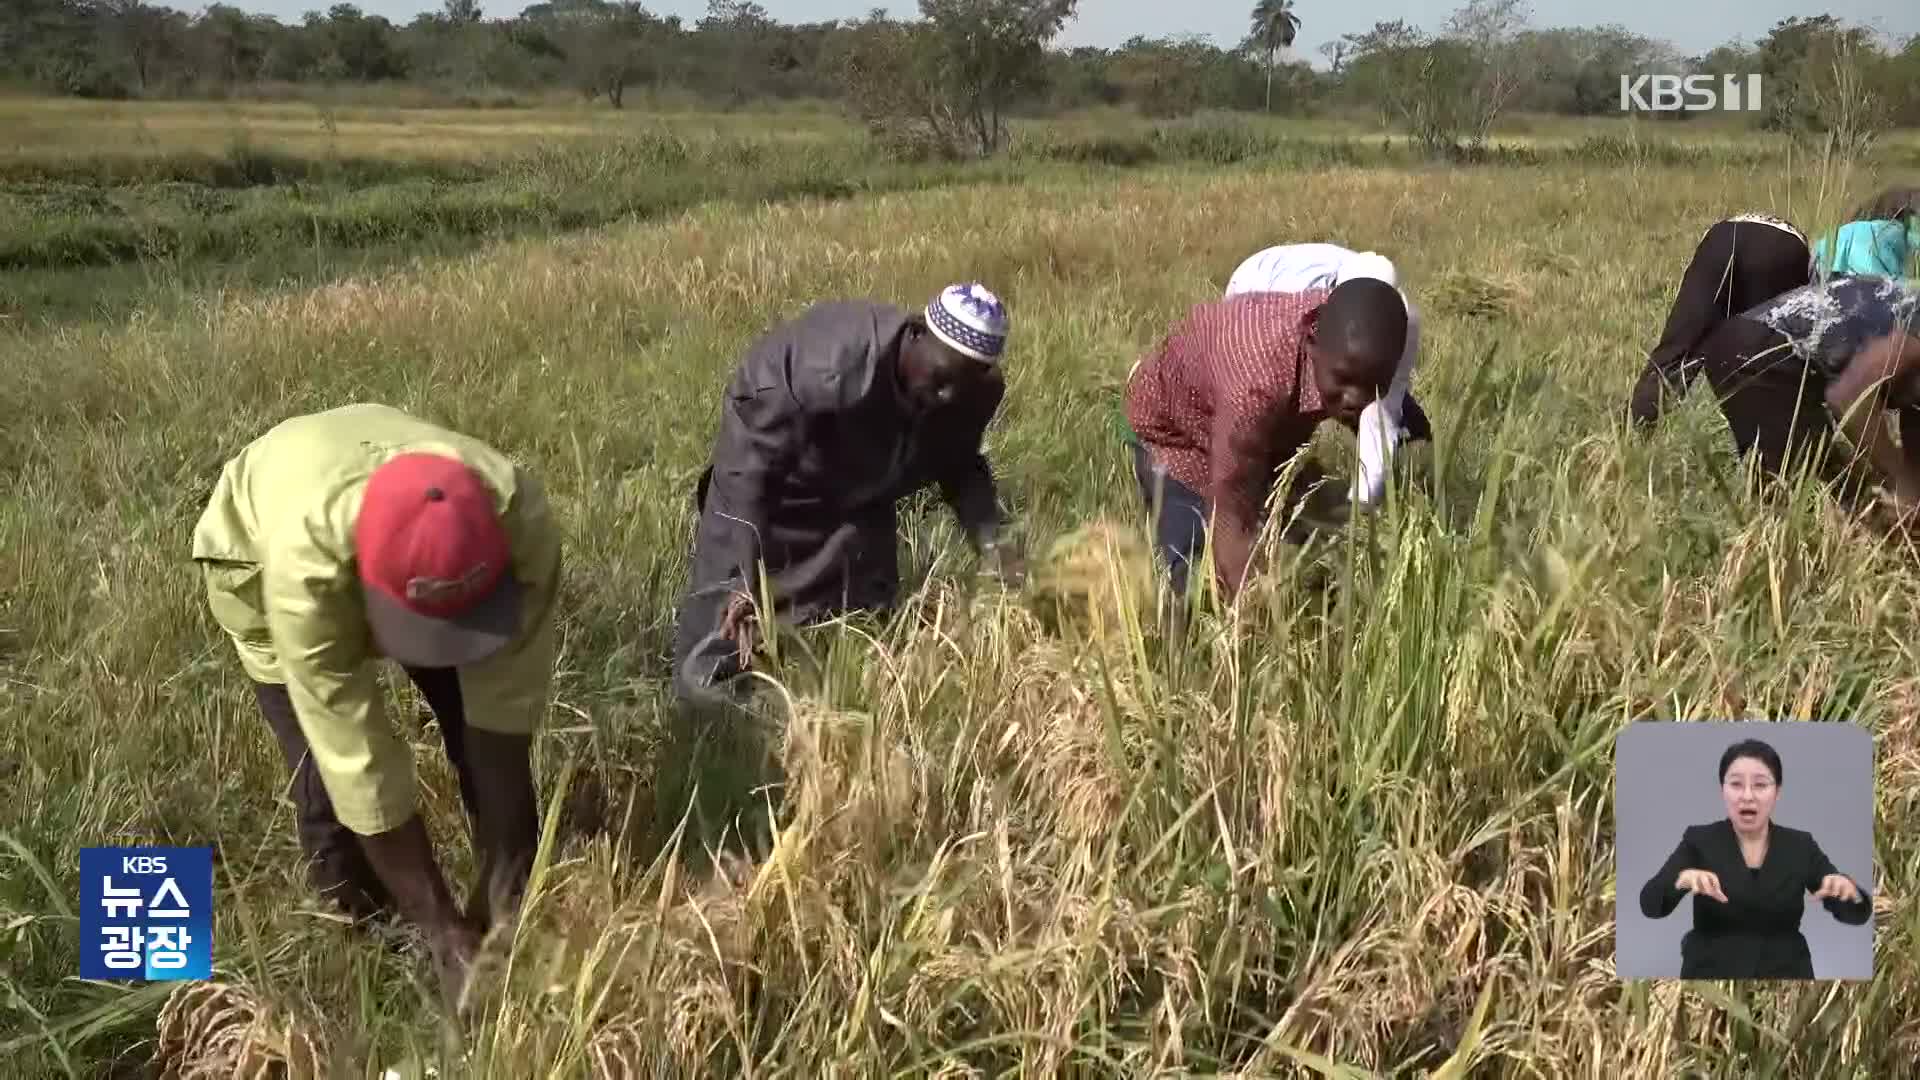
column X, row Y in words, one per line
column 362, row 532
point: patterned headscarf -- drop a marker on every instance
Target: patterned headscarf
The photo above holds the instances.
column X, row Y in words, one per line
column 1782, row 224
column 970, row 320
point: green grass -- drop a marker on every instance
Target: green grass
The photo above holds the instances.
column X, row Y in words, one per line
column 111, row 208
column 1367, row 819
column 77, row 131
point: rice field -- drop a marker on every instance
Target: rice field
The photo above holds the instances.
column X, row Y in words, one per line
column 1361, row 826
column 74, row 128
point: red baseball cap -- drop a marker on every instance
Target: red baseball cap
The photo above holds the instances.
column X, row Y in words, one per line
column 435, row 563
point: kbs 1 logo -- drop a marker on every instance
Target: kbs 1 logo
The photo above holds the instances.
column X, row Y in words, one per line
column 146, row 913
column 1691, row 93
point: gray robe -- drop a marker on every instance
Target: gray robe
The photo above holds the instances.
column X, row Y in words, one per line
column 816, row 444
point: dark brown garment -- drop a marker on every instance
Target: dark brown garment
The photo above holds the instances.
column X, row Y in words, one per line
column 1771, row 367
column 1737, row 265
column 817, row 443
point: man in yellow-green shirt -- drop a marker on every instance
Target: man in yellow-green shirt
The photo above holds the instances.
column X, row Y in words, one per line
column 342, row 537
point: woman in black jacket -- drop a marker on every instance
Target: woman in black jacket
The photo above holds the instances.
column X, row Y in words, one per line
column 1749, row 876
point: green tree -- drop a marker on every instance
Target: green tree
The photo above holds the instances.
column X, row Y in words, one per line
column 990, row 51
column 737, row 39
column 146, row 38
column 231, row 46
column 1795, row 59
column 884, row 70
column 1274, row 27
column 1178, row 76
column 1900, row 83
column 1489, row 31
column 358, row 47
column 1383, row 65
column 607, row 46
column 1447, row 90
column 945, row 84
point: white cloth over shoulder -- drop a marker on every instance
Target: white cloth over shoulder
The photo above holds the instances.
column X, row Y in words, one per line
column 1298, row 267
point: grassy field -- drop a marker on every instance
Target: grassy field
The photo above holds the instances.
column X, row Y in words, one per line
column 88, row 131
column 111, row 208
column 1361, row 828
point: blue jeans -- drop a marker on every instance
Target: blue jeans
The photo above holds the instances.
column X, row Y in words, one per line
column 1179, row 517
column 1179, row 514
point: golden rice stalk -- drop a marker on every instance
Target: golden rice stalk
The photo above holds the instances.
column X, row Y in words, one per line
column 211, row 1030
column 1096, row 581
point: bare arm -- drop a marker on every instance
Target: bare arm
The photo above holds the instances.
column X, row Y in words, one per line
column 1235, row 449
column 1859, row 399
column 964, row 475
column 1381, row 424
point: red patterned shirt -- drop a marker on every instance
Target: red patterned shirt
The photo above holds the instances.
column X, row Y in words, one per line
column 1227, row 398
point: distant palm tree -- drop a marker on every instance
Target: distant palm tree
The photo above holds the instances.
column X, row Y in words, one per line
column 1274, row 25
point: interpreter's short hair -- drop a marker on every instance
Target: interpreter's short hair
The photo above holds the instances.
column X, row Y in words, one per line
column 1758, row 751
column 1365, row 317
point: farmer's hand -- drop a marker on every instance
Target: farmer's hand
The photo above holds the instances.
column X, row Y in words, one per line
column 1898, row 512
column 1701, row 883
column 1006, row 561
column 1904, row 501
column 454, row 947
column 1837, row 887
column 1902, row 526
column 740, row 626
column 1332, row 512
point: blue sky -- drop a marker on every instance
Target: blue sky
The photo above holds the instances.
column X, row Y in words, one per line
column 1694, row 26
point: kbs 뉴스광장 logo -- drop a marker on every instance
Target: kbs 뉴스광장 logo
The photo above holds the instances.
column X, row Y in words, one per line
column 146, row 913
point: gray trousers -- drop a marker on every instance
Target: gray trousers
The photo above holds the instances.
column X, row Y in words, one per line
column 337, row 868
column 719, row 769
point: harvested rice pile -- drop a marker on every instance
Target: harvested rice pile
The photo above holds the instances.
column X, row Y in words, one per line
column 1474, row 297
column 1096, row 582
column 219, row 1030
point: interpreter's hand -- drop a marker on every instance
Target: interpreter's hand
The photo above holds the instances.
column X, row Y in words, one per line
column 1837, row 887
column 1701, row 883
column 741, row 626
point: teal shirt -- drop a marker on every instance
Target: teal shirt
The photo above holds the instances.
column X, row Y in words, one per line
column 1877, row 248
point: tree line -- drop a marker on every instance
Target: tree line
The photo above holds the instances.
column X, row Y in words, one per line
column 953, row 76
